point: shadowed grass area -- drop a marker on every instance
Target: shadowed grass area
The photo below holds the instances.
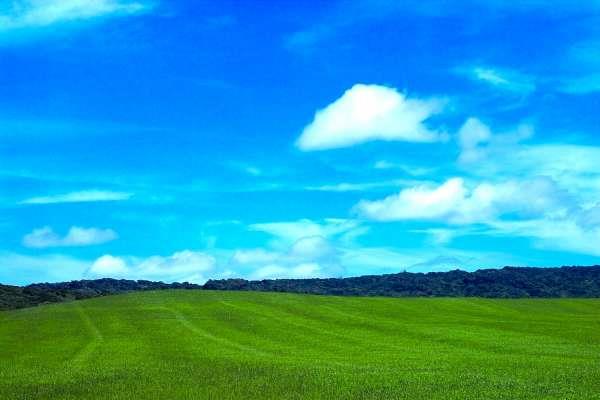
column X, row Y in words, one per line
column 220, row 345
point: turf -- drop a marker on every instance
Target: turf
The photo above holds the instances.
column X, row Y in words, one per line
column 221, row 345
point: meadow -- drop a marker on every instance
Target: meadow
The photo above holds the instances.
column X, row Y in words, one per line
column 178, row 344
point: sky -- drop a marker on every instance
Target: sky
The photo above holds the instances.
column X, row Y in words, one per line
column 188, row 140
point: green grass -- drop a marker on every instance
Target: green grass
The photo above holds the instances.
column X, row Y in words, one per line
column 220, row 345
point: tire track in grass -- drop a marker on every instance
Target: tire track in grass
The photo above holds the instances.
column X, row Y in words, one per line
column 317, row 332
column 79, row 359
column 189, row 325
column 290, row 316
column 321, row 330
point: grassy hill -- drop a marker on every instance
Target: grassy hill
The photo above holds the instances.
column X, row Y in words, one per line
column 177, row 344
column 507, row 282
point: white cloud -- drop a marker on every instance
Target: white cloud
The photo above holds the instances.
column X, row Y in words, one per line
column 409, row 169
column 557, row 208
column 504, row 156
column 590, row 217
column 370, row 112
column 441, row 236
column 108, row 265
column 478, row 143
column 566, row 234
column 19, row 269
column 254, row 171
column 246, row 168
column 186, row 265
column 455, row 203
column 311, row 247
column 77, row 236
column 310, row 256
column 252, row 256
column 381, row 260
column 79, row 197
column 289, row 232
column 502, row 79
column 41, row 13
column 358, row 187
column 470, row 136
column 419, row 202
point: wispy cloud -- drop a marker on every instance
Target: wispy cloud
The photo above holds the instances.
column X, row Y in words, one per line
column 343, row 15
column 79, row 197
column 583, row 58
column 41, row 13
column 359, row 187
column 582, row 85
column 76, row 237
column 500, row 78
column 409, row 169
column 290, row 231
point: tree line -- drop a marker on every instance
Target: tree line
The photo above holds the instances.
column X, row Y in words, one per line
column 508, row 282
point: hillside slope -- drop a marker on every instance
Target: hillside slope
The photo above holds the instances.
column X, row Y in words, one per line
column 178, row 344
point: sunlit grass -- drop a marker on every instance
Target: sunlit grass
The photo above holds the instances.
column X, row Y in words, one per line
column 220, row 345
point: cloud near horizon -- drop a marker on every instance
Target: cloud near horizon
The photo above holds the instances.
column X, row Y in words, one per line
column 182, row 266
column 370, row 112
column 309, row 256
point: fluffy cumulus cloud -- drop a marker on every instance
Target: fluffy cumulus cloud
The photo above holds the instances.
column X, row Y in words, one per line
column 22, row 14
column 488, row 155
column 84, row 196
column 186, row 265
column 370, row 112
column 546, row 192
column 109, row 266
column 77, row 236
column 455, row 202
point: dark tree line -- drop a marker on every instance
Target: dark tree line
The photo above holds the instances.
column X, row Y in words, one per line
column 508, row 282
column 43, row 293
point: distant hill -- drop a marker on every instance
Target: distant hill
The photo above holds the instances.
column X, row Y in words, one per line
column 43, row 293
column 508, row 282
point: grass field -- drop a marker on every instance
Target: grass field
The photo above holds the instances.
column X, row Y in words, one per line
column 220, row 345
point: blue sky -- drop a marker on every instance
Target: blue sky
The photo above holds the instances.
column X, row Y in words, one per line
column 188, row 140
